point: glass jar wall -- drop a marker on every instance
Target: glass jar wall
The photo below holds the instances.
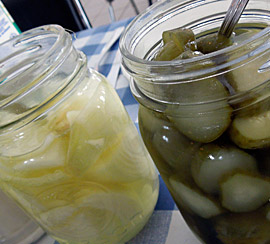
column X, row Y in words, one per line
column 205, row 120
column 15, row 226
column 69, row 154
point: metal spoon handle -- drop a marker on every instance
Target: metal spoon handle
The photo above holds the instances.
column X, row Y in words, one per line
column 232, row 16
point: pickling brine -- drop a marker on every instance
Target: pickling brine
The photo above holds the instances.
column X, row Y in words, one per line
column 78, row 167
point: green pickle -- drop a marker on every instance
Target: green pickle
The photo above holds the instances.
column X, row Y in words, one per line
column 213, row 42
column 214, row 156
column 175, row 42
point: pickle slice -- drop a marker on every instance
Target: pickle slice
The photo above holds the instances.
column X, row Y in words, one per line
column 251, row 132
column 195, row 200
column 249, row 73
column 168, row 52
column 202, row 125
column 242, row 192
column 176, row 149
column 212, row 42
column 175, row 42
column 203, row 113
column 212, row 161
column 151, row 121
column 180, row 36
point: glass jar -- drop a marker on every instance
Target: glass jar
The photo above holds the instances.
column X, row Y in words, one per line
column 70, row 156
column 206, row 120
column 15, row 226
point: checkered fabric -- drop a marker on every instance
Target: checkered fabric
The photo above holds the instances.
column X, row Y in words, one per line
column 166, row 226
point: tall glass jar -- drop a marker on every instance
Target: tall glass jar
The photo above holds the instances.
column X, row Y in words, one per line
column 70, row 156
column 206, row 120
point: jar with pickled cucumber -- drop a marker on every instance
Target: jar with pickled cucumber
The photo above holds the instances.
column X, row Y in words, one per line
column 70, row 156
column 205, row 113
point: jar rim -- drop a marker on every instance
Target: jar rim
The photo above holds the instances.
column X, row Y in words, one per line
column 41, row 30
column 127, row 54
column 148, row 72
column 36, row 67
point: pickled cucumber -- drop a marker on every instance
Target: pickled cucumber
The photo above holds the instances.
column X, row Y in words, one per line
column 151, row 121
column 202, row 125
column 219, row 181
column 243, row 192
column 212, row 161
column 203, row 94
column 175, row 42
column 180, row 36
column 168, row 52
column 176, row 149
column 251, row 132
column 248, row 74
column 253, row 104
column 197, row 116
column 212, row 42
column 196, row 201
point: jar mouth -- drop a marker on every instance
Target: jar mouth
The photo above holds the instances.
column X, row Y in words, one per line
column 145, row 32
column 155, row 16
column 151, row 63
column 31, row 42
column 35, row 67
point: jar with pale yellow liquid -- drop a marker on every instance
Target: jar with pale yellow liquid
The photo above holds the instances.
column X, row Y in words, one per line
column 70, row 156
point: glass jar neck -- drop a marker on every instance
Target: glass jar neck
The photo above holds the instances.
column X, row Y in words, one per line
column 37, row 67
column 151, row 78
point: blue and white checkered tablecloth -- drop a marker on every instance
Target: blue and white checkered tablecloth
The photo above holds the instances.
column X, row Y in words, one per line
column 166, row 226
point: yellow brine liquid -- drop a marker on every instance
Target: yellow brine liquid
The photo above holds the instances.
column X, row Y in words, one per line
column 90, row 180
